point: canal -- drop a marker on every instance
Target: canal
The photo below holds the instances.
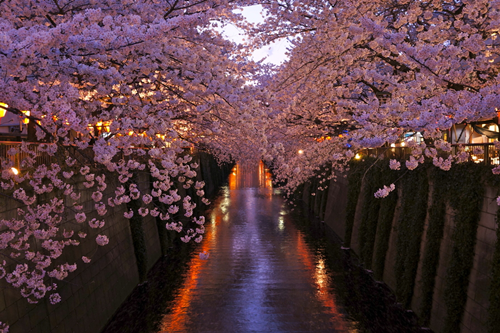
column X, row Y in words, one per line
column 268, row 270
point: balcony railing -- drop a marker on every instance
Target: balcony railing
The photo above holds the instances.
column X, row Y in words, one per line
column 490, row 154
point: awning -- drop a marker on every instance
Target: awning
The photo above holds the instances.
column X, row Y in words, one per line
column 484, row 131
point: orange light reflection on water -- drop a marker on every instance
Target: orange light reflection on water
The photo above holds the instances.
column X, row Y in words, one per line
column 177, row 319
column 322, row 281
column 238, row 178
column 233, row 179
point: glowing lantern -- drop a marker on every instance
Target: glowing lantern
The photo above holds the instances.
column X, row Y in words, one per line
column 100, row 126
column 14, row 171
column 26, row 120
column 3, row 109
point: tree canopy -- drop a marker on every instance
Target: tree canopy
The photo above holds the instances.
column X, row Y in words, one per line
column 363, row 73
column 136, row 82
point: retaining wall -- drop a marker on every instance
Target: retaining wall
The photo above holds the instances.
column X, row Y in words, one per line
column 475, row 315
column 92, row 294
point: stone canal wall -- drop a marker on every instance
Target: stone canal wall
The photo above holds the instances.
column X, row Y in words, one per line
column 92, row 294
column 432, row 241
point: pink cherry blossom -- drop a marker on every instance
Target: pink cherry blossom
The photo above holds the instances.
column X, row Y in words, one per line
column 80, row 217
column 383, row 192
column 54, row 298
column 102, row 240
column 394, row 164
column 129, row 214
column 86, row 259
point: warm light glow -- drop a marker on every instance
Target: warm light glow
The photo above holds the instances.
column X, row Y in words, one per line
column 103, row 126
column 323, row 138
column 316, row 265
column 233, row 180
column 393, row 145
column 14, row 171
column 3, row 110
column 403, row 144
column 300, row 152
column 357, row 156
column 26, row 120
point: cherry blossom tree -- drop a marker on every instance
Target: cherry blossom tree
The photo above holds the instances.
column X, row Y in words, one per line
column 113, row 89
column 362, row 73
column 116, row 88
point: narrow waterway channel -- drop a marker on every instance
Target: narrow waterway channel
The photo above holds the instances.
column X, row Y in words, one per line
column 261, row 275
column 266, row 272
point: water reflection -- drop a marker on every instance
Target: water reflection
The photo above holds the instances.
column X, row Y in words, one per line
column 261, row 275
column 250, row 175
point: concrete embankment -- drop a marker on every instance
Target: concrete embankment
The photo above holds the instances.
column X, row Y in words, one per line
column 432, row 241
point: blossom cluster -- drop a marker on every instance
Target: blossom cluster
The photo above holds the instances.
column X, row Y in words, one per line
column 383, row 192
column 115, row 90
column 374, row 75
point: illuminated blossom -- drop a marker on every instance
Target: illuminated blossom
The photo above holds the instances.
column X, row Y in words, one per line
column 85, row 259
column 147, row 198
column 412, row 163
column 54, row 298
column 394, row 165
column 80, row 217
column 129, row 214
column 95, row 223
column 204, row 255
column 383, row 192
column 185, row 238
column 97, row 196
column 84, row 170
column 143, row 211
column 102, row 240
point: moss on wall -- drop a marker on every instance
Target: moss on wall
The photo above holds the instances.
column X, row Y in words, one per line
column 385, row 218
column 138, row 239
column 434, row 236
column 354, row 177
column 494, row 309
column 465, row 190
column 409, row 228
column 369, row 215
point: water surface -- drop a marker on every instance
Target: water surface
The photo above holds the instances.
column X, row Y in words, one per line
column 261, row 275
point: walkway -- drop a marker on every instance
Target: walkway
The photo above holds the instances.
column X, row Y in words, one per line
column 261, row 275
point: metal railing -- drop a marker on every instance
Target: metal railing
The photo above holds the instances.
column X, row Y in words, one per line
column 17, row 159
column 485, row 153
column 84, row 156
